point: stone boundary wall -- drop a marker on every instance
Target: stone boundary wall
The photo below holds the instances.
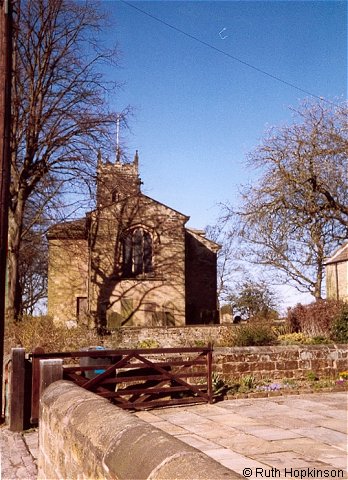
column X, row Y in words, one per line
column 274, row 362
column 279, row 362
column 172, row 337
column 82, row 435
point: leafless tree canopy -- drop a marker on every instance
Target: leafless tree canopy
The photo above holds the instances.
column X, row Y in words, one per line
column 59, row 116
column 297, row 212
column 230, row 268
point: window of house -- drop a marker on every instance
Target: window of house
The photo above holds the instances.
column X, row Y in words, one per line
column 137, row 252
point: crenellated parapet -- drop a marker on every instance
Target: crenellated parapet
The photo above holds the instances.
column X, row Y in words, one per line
column 117, row 181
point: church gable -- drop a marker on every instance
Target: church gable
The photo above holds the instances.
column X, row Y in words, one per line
column 122, row 236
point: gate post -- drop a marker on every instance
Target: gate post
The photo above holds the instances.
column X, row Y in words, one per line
column 35, row 385
column 17, row 383
column 51, row 370
column 210, row 372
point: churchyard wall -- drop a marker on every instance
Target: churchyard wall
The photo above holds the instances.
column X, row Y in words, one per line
column 275, row 362
column 279, row 362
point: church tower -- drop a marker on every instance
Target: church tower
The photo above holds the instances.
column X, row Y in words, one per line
column 117, row 181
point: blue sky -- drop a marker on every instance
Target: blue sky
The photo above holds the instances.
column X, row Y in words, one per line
column 198, row 112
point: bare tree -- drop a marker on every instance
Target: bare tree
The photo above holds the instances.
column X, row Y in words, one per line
column 43, row 208
column 32, row 291
column 297, row 212
column 230, row 268
column 59, row 114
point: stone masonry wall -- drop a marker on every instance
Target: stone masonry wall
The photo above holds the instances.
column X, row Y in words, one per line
column 279, row 362
column 337, row 281
column 185, row 336
column 84, row 436
column 200, row 280
column 67, row 277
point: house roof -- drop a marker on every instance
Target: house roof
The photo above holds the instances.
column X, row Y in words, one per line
column 74, row 229
column 200, row 235
column 340, row 255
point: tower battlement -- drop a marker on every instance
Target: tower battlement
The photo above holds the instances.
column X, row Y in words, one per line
column 116, row 181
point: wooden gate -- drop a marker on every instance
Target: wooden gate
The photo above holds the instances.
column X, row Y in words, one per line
column 135, row 379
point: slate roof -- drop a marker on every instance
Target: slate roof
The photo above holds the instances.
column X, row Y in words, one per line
column 74, row 229
column 200, row 235
column 340, row 255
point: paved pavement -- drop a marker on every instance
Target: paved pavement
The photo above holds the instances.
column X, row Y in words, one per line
column 299, row 436
column 19, row 453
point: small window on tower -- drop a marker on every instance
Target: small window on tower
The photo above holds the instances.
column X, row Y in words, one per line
column 114, row 196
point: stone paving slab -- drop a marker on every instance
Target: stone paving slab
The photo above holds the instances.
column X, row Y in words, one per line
column 326, row 435
column 243, row 444
column 234, row 419
column 308, row 446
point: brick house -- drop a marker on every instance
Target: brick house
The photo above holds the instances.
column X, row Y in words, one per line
column 337, row 274
column 131, row 261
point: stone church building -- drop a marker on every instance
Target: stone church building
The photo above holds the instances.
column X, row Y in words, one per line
column 131, row 261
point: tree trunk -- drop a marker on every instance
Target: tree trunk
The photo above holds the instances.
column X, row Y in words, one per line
column 319, row 280
column 16, row 215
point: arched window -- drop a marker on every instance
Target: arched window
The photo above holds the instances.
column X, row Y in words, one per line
column 137, row 252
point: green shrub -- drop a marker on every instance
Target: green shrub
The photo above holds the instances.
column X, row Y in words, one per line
column 254, row 333
column 339, row 331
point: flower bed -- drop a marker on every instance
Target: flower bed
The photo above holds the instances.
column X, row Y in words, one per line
column 249, row 387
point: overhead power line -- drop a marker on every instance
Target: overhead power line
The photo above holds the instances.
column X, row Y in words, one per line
column 212, row 47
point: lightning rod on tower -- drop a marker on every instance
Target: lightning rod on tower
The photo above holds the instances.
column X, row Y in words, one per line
column 118, row 152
